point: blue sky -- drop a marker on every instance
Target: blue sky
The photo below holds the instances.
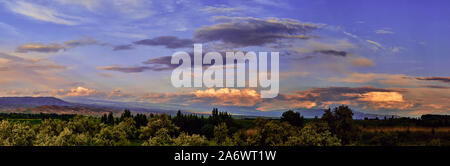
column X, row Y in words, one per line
column 387, row 57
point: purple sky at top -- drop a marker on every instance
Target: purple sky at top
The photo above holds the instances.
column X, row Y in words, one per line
column 50, row 47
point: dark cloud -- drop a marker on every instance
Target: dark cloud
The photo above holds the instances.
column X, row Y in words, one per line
column 161, row 63
column 164, row 63
column 436, row 87
column 332, row 52
column 441, row 79
column 249, row 31
column 123, row 47
column 81, row 42
column 167, row 41
column 132, row 69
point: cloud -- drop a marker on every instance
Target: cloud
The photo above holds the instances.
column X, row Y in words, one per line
column 221, row 9
column 123, row 47
column 381, row 97
column 332, row 52
column 362, row 62
column 55, row 47
column 42, row 13
column 161, row 63
column 38, row 47
column 167, row 41
column 17, row 71
column 370, row 97
column 76, row 92
column 91, row 5
column 397, row 49
column 227, row 97
column 81, row 42
column 436, row 86
column 249, row 31
column 335, row 48
column 378, row 45
column 383, row 32
column 441, row 79
column 131, row 69
column 387, row 79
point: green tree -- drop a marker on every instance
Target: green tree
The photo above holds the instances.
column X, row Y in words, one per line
column 157, row 123
column 313, row 135
column 129, row 126
column 161, row 138
column 221, row 136
column 345, row 128
column 185, row 139
column 15, row 134
column 111, row 136
column 271, row 133
column 110, row 118
column 341, row 123
column 125, row 114
column 292, row 118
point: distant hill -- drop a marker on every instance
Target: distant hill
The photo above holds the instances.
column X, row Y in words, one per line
column 88, row 106
column 37, row 105
column 15, row 102
column 311, row 113
column 59, row 106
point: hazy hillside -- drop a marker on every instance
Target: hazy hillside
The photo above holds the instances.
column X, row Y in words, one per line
column 311, row 113
column 14, row 102
column 86, row 106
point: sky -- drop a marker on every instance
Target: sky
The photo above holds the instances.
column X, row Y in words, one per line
column 382, row 57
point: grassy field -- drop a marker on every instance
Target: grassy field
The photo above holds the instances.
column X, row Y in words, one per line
column 406, row 129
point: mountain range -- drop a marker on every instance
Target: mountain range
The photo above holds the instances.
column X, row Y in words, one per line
column 89, row 106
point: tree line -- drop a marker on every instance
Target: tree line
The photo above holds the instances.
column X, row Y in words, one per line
column 335, row 128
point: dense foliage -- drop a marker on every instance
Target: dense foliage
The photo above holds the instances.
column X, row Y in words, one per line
column 335, row 128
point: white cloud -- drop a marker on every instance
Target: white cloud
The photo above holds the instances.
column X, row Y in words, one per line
column 91, row 5
column 382, row 31
column 378, row 45
column 221, row 9
column 42, row 13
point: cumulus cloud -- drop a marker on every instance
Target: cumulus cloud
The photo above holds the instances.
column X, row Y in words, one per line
column 325, row 97
column 227, row 96
column 167, row 41
column 78, row 91
column 381, row 97
column 249, row 31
